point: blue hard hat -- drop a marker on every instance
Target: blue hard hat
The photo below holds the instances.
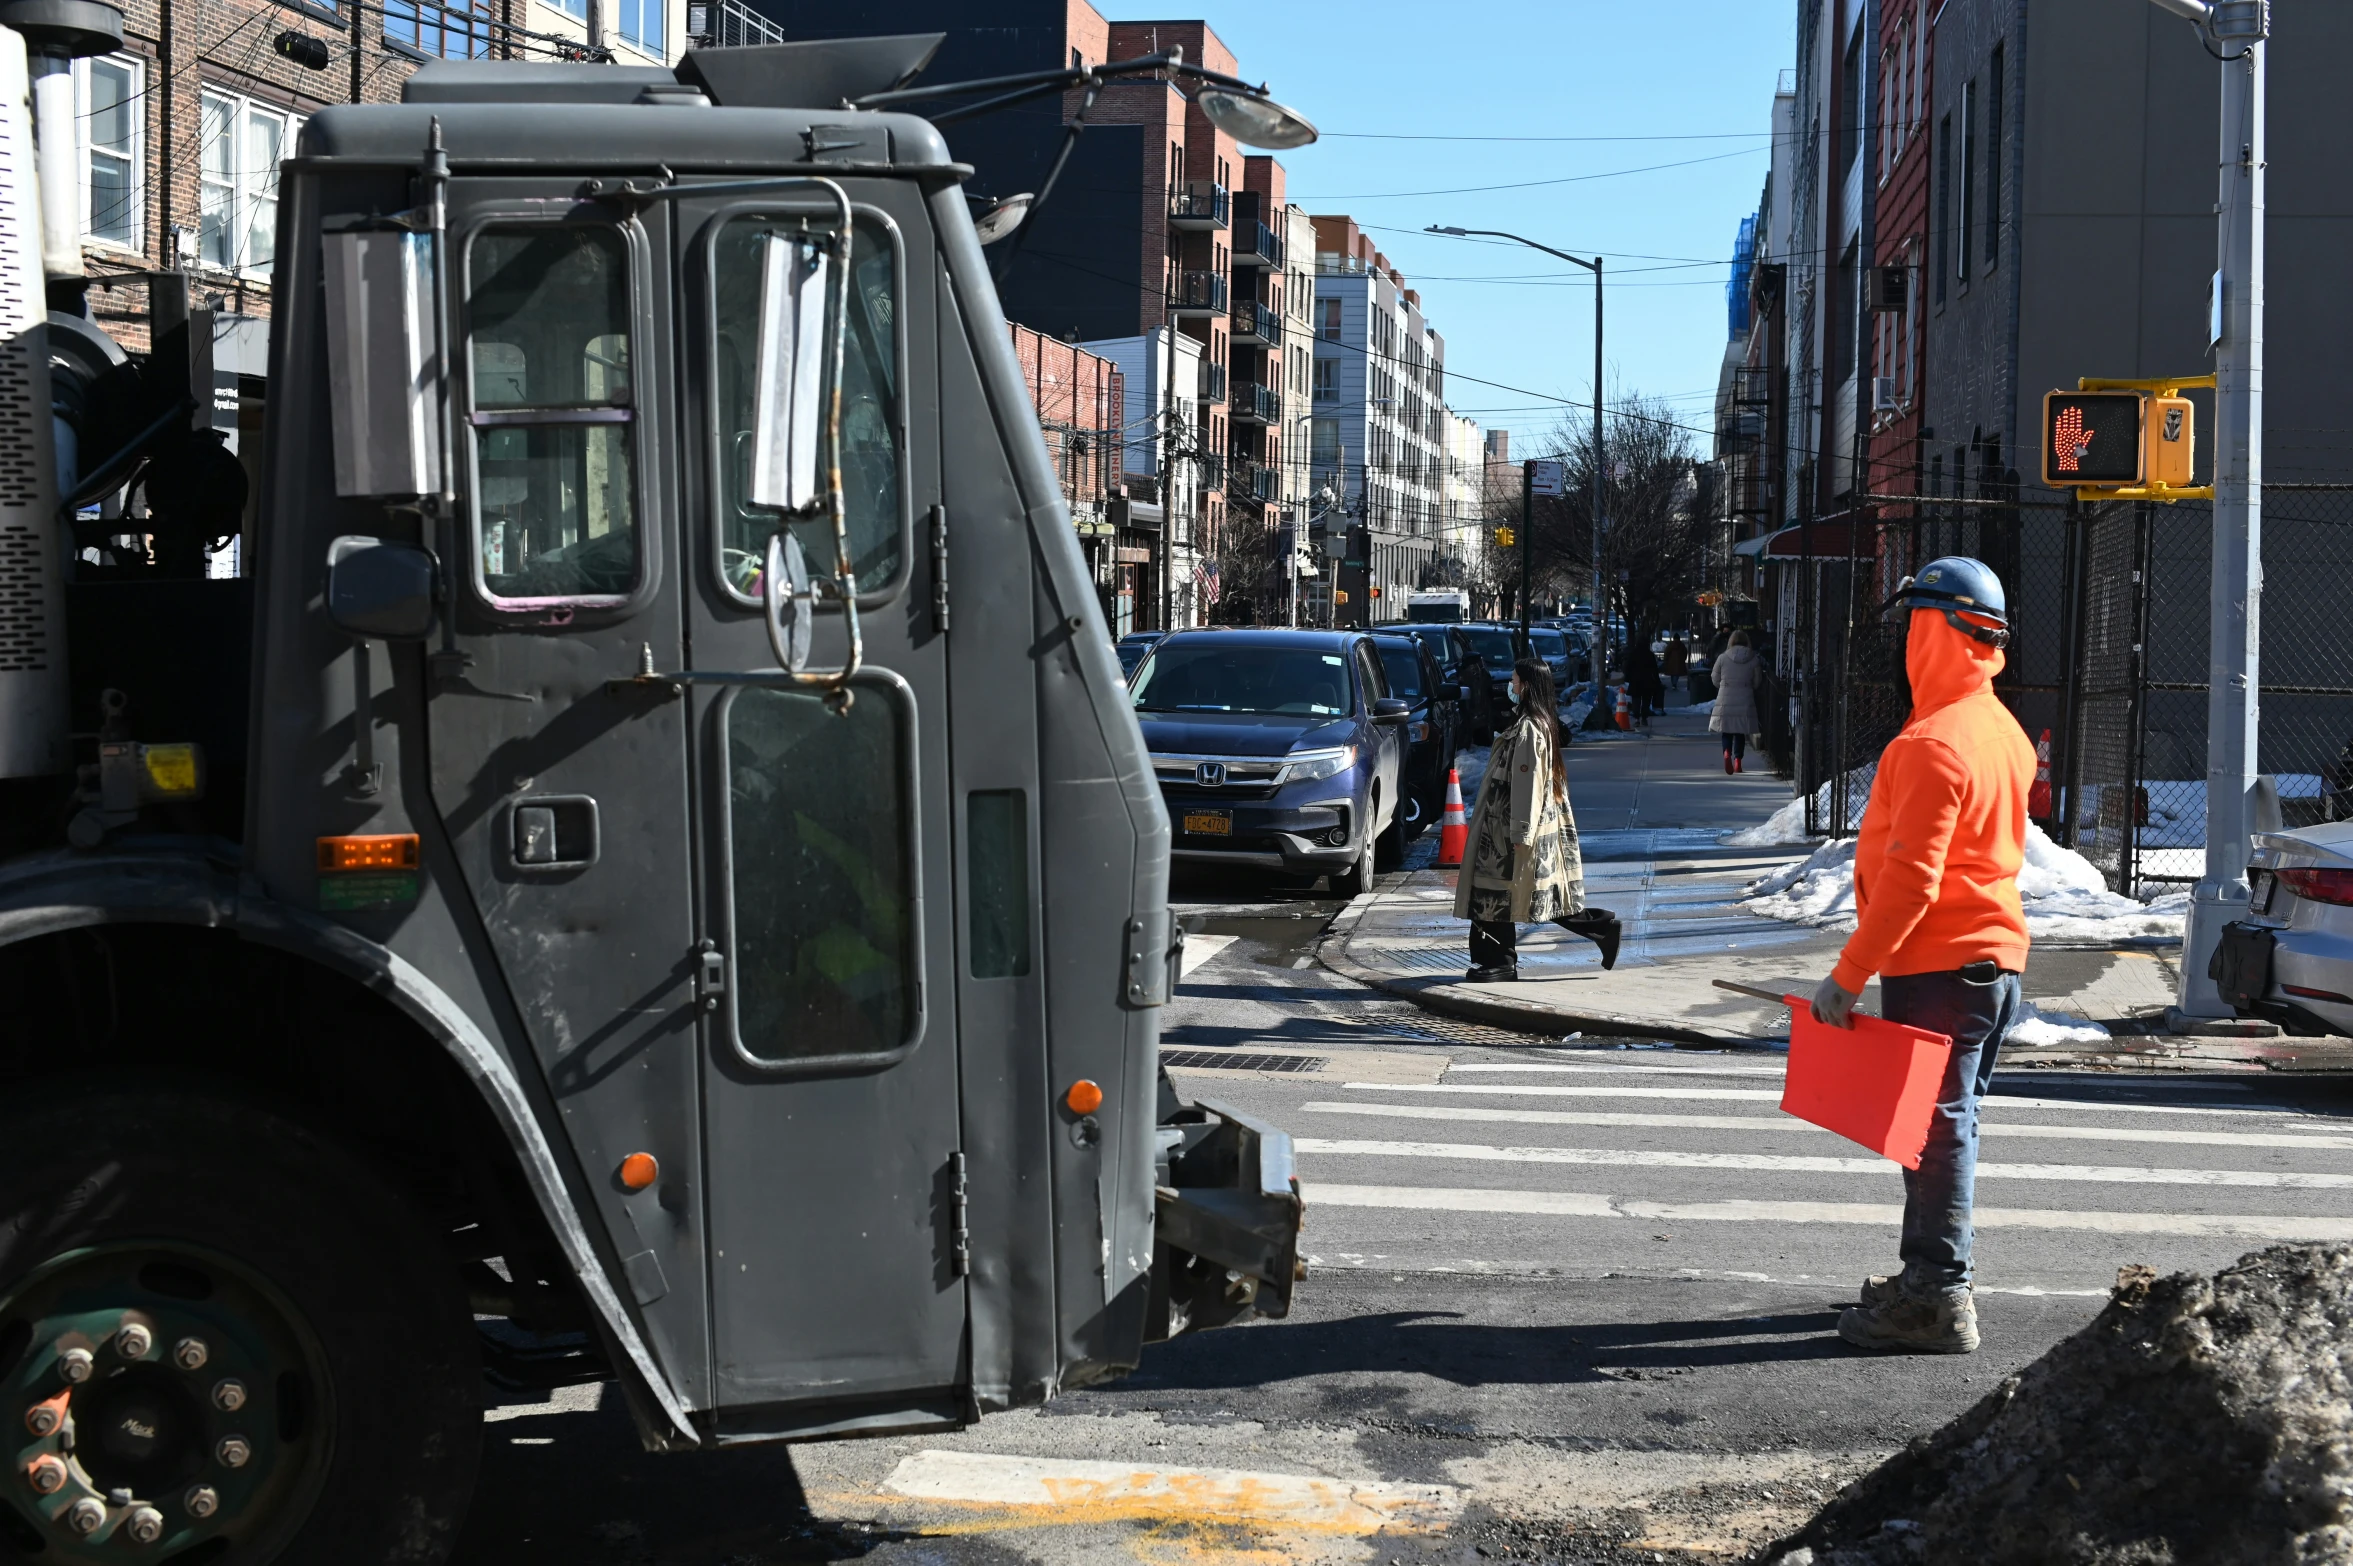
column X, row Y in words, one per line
column 1966, row 590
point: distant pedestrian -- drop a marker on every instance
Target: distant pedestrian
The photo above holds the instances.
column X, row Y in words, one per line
column 1736, row 674
column 1937, row 918
column 1524, row 867
column 1642, row 678
column 1673, row 662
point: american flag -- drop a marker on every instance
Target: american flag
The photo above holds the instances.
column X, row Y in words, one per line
column 1205, row 578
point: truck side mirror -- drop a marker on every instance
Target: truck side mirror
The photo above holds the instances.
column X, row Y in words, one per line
column 383, row 362
column 789, row 379
column 377, row 588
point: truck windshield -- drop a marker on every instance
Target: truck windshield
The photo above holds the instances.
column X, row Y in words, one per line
column 870, row 391
column 551, row 412
column 1213, row 678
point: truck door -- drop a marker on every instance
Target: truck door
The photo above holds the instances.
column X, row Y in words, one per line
column 830, row 1080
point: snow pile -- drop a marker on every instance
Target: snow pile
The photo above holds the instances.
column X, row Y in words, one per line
column 2196, row 1419
column 1784, row 827
column 2038, row 1029
column 2064, row 896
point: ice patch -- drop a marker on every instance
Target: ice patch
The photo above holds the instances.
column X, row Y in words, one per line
column 2038, row 1029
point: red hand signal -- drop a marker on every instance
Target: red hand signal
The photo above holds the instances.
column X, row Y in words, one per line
column 2072, row 441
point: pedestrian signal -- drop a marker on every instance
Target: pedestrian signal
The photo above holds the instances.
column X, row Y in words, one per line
column 1504, row 537
column 1339, row 595
column 1376, row 592
column 2092, row 439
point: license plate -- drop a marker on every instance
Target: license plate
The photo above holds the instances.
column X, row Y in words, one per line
column 2260, row 899
column 1210, row 823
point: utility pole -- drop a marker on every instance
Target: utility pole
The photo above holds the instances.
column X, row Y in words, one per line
column 1527, row 526
column 2235, row 31
column 1168, row 461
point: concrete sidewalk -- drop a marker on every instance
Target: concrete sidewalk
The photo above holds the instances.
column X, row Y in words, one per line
column 1651, row 811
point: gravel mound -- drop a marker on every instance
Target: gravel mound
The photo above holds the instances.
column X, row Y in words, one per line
column 2197, row 1420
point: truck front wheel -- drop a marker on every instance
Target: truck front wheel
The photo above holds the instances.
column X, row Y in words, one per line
column 222, row 1337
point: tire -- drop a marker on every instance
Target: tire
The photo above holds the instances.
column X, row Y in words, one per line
column 305, row 1277
column 1357, row 879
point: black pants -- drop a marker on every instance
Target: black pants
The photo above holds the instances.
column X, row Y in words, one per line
column 1735, row 745
column 1495, row 943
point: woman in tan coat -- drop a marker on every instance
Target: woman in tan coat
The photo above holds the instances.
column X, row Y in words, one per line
column 1523, row 866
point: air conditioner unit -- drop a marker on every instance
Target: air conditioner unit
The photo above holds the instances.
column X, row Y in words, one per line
column 1883, row 395
column 1884, row 289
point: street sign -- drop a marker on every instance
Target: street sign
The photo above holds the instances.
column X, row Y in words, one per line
column 2092, row 438
column 1548, row 478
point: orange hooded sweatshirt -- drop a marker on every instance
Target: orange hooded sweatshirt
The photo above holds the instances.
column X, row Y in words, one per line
column 1936, row 867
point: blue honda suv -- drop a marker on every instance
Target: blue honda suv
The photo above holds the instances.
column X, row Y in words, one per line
column 1277, row 749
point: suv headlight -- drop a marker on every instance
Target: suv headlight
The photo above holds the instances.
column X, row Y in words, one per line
column 1307, row 766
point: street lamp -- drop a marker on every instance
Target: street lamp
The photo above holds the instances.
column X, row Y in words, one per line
column 2234, row 605
column 1600, row 653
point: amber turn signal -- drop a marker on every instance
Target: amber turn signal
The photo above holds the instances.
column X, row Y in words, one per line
column 639, row 1170
column 1084, row 1098
column 393, row 851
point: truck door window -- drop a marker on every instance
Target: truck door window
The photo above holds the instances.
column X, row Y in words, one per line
column 551, row 413
column 822, row 866
column 870, row 392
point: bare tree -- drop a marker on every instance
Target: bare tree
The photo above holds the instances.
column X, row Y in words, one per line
column 1654, row 538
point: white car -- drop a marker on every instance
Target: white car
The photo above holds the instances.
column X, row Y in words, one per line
column 2293, row 951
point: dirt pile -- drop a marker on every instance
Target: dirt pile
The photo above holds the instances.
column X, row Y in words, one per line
column 2196, row 1420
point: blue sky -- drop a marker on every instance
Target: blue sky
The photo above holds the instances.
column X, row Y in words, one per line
column 1692, row 78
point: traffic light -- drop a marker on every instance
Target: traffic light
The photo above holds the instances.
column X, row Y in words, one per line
column 1504, row 538
column 2118, row 440
column 1339, row 595
column 1376, row 592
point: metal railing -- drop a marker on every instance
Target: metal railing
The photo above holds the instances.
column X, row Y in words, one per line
column 1198, row 292
column 1213, row 381
column 728, row 24
column 1253, row 401
column 1201, row 202
column 1255, row 242
column 1256, row 322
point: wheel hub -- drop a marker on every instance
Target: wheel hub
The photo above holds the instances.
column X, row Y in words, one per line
column 156, row 1399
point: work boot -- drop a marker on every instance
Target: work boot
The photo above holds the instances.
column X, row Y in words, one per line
column 1493, row 973
column 1913, row 1324
column 1879, row 1290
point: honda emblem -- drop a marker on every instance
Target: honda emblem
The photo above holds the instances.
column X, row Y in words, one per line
column 1210, row 774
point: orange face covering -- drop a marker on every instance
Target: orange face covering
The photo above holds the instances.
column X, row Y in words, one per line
column 1936, row 865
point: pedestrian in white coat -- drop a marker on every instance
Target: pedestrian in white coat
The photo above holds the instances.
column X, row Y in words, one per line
column 1738, row 673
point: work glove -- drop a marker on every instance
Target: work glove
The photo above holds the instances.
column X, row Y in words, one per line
column 1834, row 1003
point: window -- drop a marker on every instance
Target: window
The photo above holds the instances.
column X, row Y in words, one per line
column 822, row 877
column 643, row 25
column 459, row 31
column 1840, row 350
column 1327, row 380
column 1331, row 308
column 870, row 400
column 550, row 412
column 1942, row 213
column 1850, row 103
column 1965, row 222
column 1993, row 160
column 243, row 143
column 997, row 882
column 111, row 117
column 1323, row 438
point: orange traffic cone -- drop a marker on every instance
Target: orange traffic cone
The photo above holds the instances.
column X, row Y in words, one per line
column 1625, row 708
column 1454, row 828
column 2038, row 798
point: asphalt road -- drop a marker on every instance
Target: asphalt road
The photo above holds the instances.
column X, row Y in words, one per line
column 1567, row 1303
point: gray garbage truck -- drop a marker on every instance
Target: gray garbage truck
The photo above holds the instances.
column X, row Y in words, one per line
column 644, row 872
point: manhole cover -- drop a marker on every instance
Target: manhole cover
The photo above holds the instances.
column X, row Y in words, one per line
column 1235, row 1060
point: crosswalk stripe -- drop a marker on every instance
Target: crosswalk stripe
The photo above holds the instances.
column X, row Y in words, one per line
column 1773, row 1095
column 1516, row 1068
column 1578, row 1204
column 1782, row 1163
column 2165, row 1136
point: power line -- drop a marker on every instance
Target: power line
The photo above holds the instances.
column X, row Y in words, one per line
column 1532, row 184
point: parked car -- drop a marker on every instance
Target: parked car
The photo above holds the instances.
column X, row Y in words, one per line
column 1433, row 731
column 1278, row 749
column 1559, row 656
column 2290, row 957
column 1498, row 648
column 1132, row 647
column 1484, row 706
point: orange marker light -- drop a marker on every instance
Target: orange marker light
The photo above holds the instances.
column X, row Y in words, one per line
column 394, row 851
column 639, row 1170
column 1084, row 1098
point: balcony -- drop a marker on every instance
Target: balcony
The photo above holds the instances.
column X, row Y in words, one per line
column 728, row 24
column 1752, row 386
column 1213, row 381
column 1257, row 325
column 1199, row 204
column 1257, row 245
column 1255, row 404
column 1254, row 481
column 1212, row 468
column 1198, row 293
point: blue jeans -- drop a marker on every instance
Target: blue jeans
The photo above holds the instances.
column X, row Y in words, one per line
column 1975, row 1006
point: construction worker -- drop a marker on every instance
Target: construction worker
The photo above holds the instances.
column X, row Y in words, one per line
column 1938, row 919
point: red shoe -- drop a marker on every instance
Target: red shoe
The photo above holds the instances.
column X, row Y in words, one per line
column 1740, row 763
column 1727, row 763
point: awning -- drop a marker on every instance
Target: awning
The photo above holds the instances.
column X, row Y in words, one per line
column 1794, row 543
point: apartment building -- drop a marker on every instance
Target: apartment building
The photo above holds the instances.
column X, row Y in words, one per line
column 1164, row 431
column 1081, row 402
column 1380, row 432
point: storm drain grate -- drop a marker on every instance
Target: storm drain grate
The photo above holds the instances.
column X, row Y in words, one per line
column 1229, row 1060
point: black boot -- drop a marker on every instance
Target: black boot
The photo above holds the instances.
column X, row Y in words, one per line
column 1598, row 925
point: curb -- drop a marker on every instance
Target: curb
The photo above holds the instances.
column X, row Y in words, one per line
column 1448, row 999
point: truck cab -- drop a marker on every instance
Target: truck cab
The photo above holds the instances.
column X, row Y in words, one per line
column 650, row 873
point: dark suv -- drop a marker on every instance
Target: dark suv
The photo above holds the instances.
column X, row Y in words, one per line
column 1278, row 749
column 1485, row 707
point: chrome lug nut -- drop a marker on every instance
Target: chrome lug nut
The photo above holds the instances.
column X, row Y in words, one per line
column 46, row 1474
column 234, row 1451
column 133, row 1341
column 86, row 1515
column 190, row 1353
column 145, row 1525
column 201, row 1501
column 75, row 1365
column 228, row 1395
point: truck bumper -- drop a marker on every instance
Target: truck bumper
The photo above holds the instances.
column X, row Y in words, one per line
column 1228, row 1212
